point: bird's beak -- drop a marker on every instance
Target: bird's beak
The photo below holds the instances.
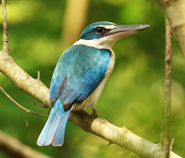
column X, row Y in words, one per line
column 125, row 30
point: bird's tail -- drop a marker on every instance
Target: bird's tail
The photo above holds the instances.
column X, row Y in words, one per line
column 54, row 129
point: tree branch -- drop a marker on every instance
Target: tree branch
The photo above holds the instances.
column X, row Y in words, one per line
column 5, row 28
column 14, row 148
column 168, row 62
column 120, row 136
column 175, row 11
column 22, row 80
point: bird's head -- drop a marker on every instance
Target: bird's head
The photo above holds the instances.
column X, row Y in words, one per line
column 104, row 34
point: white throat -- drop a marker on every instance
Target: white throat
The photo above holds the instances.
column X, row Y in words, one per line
column 102, row 43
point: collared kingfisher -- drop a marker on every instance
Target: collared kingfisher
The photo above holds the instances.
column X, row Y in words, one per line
column 80, row 75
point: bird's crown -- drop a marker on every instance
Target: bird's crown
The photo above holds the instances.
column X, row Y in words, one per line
column 97, row 30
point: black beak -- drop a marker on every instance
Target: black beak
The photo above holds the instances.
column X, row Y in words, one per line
column 126, row 30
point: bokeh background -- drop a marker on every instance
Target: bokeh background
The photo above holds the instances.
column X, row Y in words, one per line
column 133, row 96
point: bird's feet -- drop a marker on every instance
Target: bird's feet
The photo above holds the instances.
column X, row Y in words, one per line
column 94, row 114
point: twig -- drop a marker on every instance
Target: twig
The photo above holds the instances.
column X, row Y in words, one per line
column 168, row 63
column 171, row 144
column 5, row 28
column 21, row 105
column 38, row 75
column 42, row 106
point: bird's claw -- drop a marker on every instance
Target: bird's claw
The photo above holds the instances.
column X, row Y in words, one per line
column 94, row 114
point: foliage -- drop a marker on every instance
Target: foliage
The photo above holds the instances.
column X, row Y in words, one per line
column 133, row 95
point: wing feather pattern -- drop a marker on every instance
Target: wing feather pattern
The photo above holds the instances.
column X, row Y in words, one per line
column 84, row 67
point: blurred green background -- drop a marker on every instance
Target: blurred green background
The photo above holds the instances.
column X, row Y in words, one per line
column 133, row 96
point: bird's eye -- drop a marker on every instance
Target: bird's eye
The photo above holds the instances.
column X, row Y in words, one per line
column 100, row 29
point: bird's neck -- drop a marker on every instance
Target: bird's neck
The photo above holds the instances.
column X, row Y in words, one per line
column 101, row 43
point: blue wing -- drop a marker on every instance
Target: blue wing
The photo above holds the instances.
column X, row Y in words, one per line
column 78, row 72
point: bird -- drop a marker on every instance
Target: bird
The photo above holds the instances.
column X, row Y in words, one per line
column 80, row 75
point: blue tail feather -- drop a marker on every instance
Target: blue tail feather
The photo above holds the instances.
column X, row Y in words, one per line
column 59, row 136
column 54, row 128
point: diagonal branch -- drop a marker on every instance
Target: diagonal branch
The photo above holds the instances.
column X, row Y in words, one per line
column 12, row 147
column 22, row 80
column 118, row 135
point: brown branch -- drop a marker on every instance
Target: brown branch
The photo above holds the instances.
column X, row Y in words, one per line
column 168, row 63
column 42, row 106
column 14, row 148
column 31, row 112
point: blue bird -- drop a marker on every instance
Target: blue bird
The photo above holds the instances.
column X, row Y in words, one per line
column 80, row 75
